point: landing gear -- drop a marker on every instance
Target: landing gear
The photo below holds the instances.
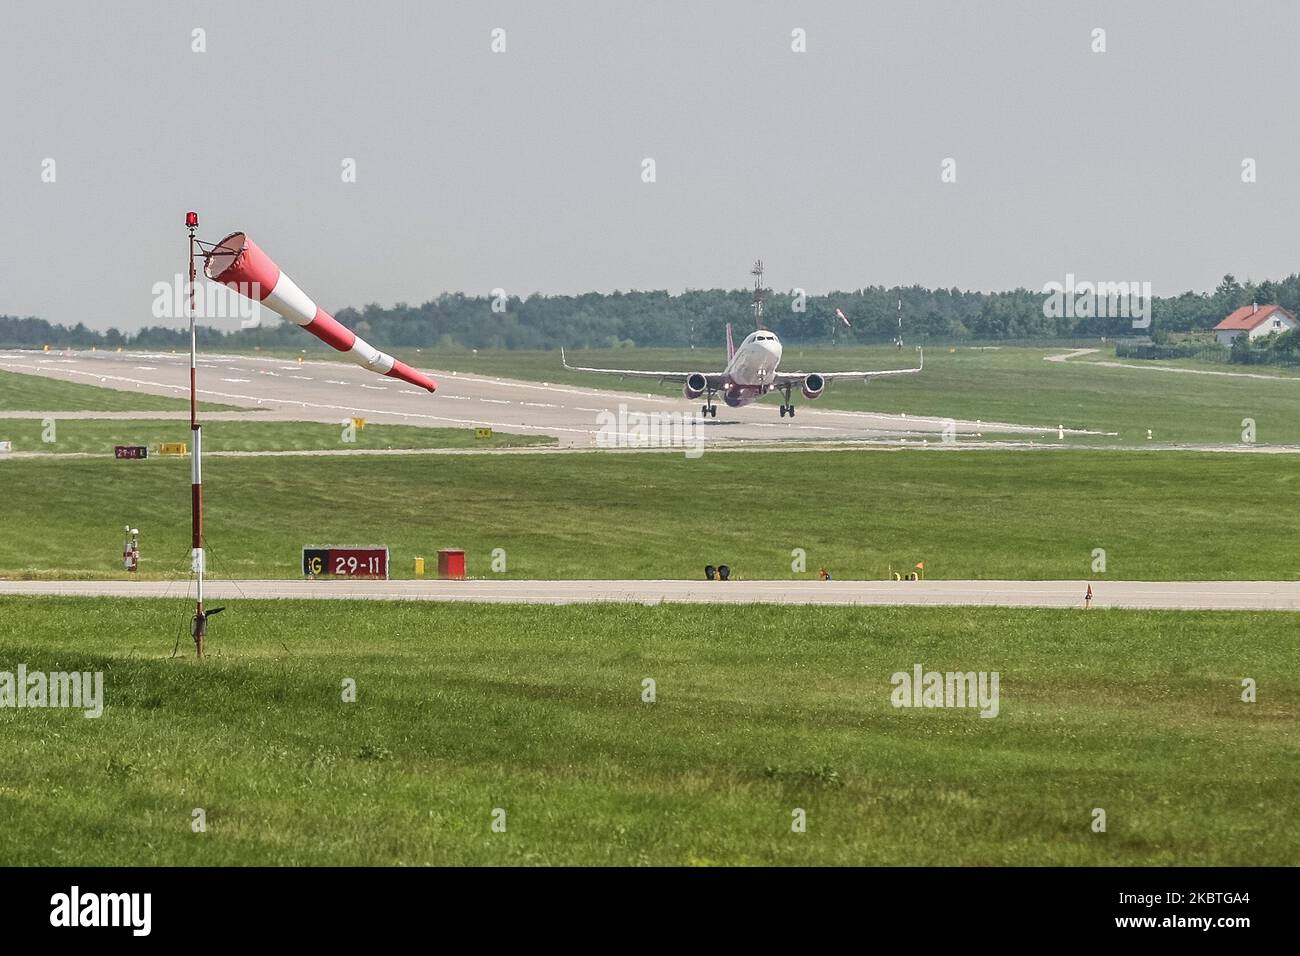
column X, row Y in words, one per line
column 709, row 409
column 788, row 407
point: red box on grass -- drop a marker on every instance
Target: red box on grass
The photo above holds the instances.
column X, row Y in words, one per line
column 451, row 563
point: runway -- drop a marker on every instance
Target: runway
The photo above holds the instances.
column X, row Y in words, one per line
column 1145, row 595
column 326, row 391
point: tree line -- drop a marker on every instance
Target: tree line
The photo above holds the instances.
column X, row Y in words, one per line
column 691, row 318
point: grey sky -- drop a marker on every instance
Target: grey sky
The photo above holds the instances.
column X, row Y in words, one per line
column 522, row 169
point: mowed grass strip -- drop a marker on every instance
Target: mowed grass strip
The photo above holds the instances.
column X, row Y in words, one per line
column 539, row 711
column 987, row 515
column 38, row 393
column 90, row 436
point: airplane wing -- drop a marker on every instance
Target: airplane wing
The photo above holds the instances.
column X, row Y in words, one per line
column 796, row 378
column 715, row 379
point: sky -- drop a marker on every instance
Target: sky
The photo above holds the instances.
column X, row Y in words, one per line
column 525, row 169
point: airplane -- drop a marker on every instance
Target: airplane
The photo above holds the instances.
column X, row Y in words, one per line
column 751, row 372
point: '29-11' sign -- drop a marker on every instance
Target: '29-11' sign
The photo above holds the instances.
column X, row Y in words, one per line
column 349, row 562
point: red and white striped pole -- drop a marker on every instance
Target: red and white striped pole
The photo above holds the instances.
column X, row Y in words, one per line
column 196, row 461
column 236, row 261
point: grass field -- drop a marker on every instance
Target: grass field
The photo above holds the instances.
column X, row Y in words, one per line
column 1032, row 515
column 538, row 711
column 99, row 436
column 1014, row 385
column 36, row 393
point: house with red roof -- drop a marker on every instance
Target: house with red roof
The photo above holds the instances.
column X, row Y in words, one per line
column 1256, row 321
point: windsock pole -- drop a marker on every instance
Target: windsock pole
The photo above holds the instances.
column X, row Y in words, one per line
column 196, row 461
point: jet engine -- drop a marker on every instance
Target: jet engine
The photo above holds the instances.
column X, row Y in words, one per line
column 813, row 386
column 695, row 386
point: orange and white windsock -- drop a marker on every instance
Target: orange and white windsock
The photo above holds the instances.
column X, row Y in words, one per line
column 236, row 261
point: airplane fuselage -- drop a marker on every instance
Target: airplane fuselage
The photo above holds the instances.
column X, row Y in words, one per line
column 752, row 370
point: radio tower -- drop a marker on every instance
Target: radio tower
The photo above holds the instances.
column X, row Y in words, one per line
column 759, row 292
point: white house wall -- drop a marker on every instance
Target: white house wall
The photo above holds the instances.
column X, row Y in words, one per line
column 1267, row 327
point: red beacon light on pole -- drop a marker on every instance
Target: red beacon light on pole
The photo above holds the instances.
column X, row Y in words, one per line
column 192, row 220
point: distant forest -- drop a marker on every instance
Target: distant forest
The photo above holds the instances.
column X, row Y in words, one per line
column 692, row 318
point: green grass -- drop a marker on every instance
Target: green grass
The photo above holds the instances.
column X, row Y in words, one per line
column 37, row 393
column 759, row 710
column 1013, row 385
column 1034, row 515
column 99, row 436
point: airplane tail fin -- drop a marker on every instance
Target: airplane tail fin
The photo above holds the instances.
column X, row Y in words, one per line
column 731, row 346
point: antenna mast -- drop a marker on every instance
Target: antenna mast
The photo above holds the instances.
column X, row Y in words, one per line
column 759, row 293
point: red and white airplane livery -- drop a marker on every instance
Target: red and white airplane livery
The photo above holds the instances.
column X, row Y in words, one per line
column 752, row 371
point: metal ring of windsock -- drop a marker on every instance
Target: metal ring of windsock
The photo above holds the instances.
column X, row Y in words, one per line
column 237, row 262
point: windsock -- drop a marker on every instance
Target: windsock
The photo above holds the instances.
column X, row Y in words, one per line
column 236, row 261
column 843, row 318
